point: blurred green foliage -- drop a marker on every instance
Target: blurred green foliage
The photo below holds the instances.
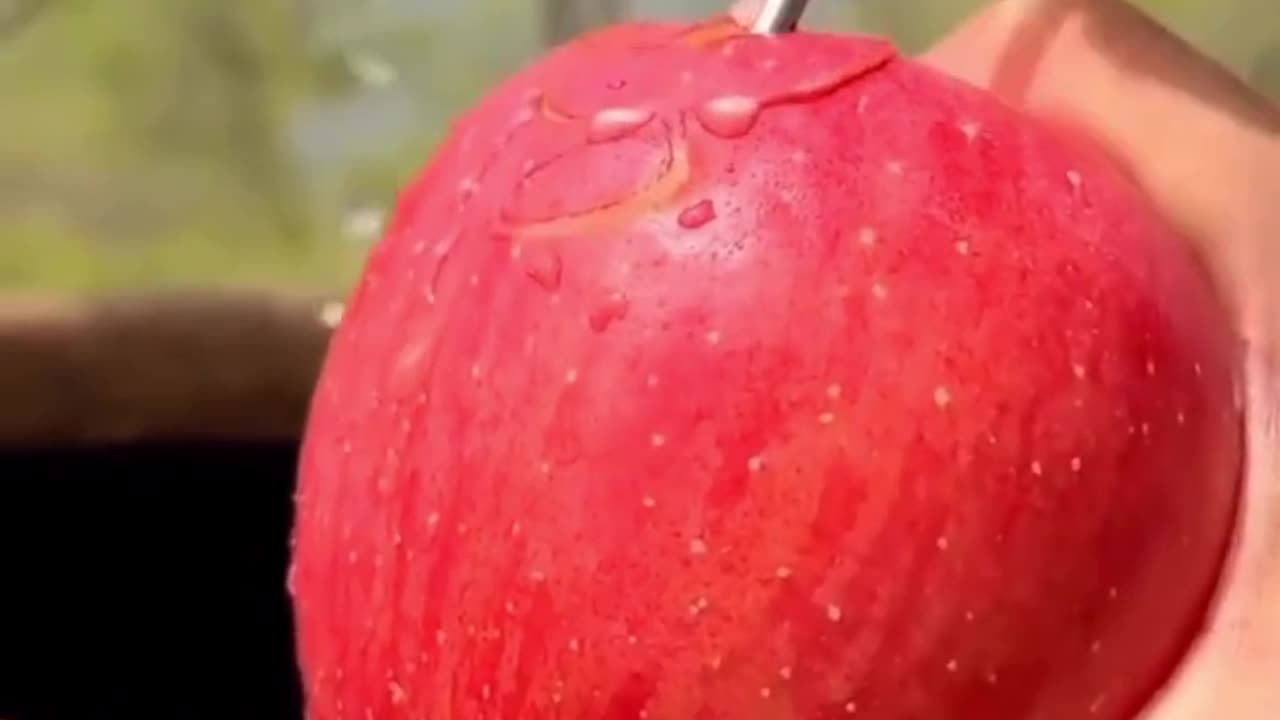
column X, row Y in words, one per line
column 161, row 142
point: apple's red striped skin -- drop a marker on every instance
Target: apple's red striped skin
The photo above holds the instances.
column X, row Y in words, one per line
column 882, row 401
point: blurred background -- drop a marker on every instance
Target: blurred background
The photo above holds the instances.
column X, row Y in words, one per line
column 187, row 191
column 165, row 142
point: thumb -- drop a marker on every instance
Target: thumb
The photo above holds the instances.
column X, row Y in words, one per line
column 1201, row 142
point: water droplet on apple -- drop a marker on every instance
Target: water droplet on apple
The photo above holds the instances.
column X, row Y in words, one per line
column 544, row 267
column 697, row 215
column 611, row 309
column 616, row 123
column 439, row 259
column 731, row 116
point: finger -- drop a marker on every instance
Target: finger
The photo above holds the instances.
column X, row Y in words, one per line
column 1205, row 146
column 1231, row 672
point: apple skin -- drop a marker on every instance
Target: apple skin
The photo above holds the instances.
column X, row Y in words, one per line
column 709, row 376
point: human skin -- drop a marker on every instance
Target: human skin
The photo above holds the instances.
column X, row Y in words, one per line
column 1206, row 148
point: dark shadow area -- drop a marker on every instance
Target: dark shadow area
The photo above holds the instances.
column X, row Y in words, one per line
column 146, row 581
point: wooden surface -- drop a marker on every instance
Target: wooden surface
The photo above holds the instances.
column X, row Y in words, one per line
column 180, row 365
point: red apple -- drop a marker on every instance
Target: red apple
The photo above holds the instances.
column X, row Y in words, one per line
column 712, row 376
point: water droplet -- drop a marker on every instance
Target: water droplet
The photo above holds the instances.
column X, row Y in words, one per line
column 731, row 116
column 697, row 215
column 616, row 84
column 467, row 188
column 440, row 258
column 616, row 123
column 544, row 267
column 611, row 309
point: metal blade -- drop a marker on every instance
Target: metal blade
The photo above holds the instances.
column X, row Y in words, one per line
column 778, row 16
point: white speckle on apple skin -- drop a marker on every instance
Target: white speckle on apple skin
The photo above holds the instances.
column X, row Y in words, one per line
column 942, row 397
column 397, row 692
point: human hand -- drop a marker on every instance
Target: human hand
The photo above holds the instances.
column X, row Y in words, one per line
column 1207, row 150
